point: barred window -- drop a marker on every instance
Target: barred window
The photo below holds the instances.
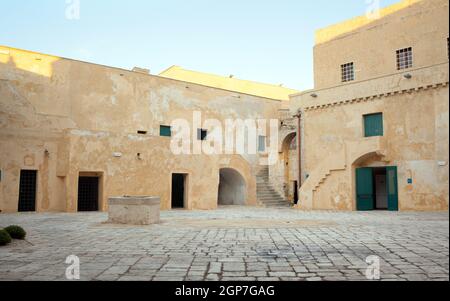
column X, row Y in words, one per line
column 404, row 58
column 347, row 72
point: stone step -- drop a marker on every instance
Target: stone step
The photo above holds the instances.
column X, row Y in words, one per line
column 273, row 202
column 267, row 199
column 267, row 196
column 266, row 188
column 276, row 204
column 270, row 197
column 281, row 202
column 268, row 191
column 280, row 205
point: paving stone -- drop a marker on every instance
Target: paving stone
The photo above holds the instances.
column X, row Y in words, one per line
column 135, row 278
column 282, row 274
column 215, row 268
column 411, row 246
column 212, row 277
column 238, row 278
column 314, row 279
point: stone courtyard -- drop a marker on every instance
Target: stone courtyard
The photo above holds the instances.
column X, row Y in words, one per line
column 232, row 243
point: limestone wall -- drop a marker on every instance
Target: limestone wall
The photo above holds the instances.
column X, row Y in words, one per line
column 372, row 43
column 416, row 139
column 62, row 117
column 414, row 103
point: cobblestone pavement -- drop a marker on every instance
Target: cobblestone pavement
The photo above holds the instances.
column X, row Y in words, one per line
column 232, row 243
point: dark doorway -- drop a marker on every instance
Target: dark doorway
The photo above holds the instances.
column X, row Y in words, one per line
column 380, row 188
column 178, row 191
column 295, row 192
column 232, row 188
column 27, row 191
column 88, row 194
column 377, row 188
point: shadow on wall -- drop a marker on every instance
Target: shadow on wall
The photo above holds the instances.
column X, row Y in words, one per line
column 232, row 188
column 25, row 78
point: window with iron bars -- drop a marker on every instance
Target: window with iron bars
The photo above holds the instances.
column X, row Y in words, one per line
column 347, row 72
column 404, row 58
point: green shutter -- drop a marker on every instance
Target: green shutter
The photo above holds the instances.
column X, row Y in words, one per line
column 364, row 189
column 392, row 188
column 165, row 131
column 373, row 125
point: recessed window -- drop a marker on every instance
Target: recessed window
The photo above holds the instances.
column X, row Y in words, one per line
column 404, row 58
column 373, row 125
column 165, row 131
column 347, row 72
column 261, row 143
column 202, row 134
column 142, row 132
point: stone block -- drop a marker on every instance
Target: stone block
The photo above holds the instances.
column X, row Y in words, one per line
column 134, row 210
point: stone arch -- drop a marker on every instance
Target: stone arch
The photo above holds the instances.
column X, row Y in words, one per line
column 365, row 159
column 286, row 138
column 289, row 170
column 362, row 158
column 246, row 170
column 232, row 187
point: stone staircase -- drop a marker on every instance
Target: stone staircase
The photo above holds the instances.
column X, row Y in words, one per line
column 267, row 196
column 339, row 161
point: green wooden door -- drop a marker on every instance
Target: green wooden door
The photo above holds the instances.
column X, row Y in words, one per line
column 365, row 199
column 392, row 188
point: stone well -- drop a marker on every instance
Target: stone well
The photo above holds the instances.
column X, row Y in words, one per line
column 134, row 210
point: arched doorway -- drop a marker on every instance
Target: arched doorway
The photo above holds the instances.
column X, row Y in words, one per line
column 232, row 188
column 375, row 183
column 290, row 161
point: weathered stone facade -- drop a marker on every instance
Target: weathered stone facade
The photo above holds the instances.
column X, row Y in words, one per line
column 414, row 103
column 67, row 119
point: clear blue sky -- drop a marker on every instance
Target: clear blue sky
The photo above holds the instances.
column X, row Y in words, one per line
column 263, row 40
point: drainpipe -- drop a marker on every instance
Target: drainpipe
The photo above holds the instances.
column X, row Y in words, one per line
column 299, row 147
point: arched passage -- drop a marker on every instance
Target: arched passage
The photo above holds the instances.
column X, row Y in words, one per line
column 290, row 161
column 375, row 183
column 232, row 188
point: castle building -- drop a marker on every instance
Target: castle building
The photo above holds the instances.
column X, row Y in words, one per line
column 372, row 134
column 374, row 130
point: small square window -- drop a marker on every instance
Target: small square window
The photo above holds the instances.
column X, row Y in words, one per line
column 261, row 144
column 202, row 134
column 404, row 58
column 347, row 72
column 165, row 131
column 373, row 125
